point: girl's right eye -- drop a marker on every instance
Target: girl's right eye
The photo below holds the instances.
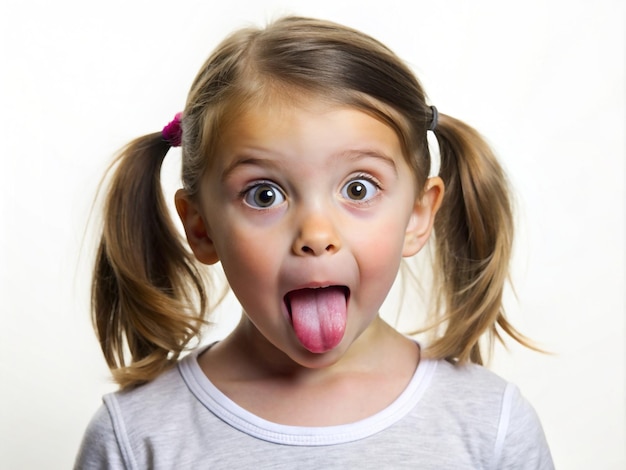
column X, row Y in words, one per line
column 263, row 196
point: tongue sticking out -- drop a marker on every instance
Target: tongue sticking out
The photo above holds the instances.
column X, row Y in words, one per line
column 319, row 317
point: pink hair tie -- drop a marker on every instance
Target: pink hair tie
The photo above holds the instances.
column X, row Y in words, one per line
column 173, row 133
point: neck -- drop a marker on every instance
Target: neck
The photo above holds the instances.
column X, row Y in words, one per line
column 246, row 355
column 334, row 390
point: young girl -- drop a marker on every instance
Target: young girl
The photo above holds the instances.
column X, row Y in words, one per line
column 306, row 175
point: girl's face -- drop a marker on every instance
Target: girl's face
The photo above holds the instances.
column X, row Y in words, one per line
column 310, row 210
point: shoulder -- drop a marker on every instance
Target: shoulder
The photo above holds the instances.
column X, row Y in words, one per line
column 469, row 375
column 99, row 448
column 468, row 385
column 521, row 441
column 490, row 413
column 150, row 395
column 476, row 390
column 464, row 400
column 153, row 409
column 131, row 422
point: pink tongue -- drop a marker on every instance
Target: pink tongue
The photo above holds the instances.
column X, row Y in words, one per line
column 319, row 317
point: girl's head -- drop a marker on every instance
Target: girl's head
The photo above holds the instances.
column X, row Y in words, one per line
column 294, row 60
column 149, row 298
column 301, row 107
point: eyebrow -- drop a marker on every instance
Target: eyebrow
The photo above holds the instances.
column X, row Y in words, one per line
column 352, row 154
column 244, row 159
column 359, row 154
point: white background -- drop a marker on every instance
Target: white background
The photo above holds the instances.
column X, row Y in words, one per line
column 543, row 80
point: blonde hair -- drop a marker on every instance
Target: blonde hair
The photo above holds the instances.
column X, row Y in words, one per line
column 149, row 299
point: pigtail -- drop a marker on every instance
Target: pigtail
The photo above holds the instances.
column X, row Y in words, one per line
column 141, row 294
column 473, row 239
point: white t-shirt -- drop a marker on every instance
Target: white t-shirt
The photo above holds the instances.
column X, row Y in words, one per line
column 449, row 417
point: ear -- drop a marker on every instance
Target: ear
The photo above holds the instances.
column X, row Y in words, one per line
column 422, row 218
column 196, row 228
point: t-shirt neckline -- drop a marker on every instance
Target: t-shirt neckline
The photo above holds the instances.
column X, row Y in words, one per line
column 239, row 418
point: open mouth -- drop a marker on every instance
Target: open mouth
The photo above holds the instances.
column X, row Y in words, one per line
column 318, row 316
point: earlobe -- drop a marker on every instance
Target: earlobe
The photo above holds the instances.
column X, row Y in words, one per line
column 422, row 218
column 196, row 229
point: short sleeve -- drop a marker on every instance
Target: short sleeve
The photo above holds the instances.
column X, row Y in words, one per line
column 99, row 449
column 521, row 443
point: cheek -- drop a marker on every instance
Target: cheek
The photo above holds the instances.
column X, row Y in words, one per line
column 247, row 258
column 379, row 254
column 383, row 240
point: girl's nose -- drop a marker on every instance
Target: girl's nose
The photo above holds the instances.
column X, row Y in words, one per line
column 317, row 237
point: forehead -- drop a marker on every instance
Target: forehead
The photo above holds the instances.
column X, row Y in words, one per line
column 305, row 129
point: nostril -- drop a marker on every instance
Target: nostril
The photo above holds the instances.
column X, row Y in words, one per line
column 310, row 251
column 316, row 240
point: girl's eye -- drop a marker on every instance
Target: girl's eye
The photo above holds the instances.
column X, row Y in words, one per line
column 359, row 190
column 263, row 195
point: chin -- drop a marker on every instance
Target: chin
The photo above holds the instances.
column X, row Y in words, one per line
column 319, row 360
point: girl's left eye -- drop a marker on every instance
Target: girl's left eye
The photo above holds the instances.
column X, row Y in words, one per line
column 263, row 196
column 360, row 190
